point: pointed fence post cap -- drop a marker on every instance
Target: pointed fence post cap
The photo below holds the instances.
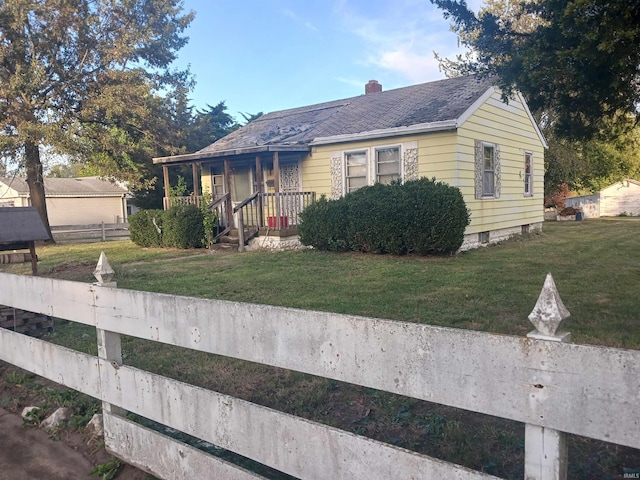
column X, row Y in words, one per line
column 549, row 313
column 103, row 272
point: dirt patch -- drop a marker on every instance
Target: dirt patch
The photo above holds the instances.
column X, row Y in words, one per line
column 20, row 389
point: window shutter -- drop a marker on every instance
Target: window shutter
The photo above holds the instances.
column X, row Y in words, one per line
column 498, row 175
column 479, row 169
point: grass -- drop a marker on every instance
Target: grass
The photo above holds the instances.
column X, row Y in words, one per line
column 595, row 265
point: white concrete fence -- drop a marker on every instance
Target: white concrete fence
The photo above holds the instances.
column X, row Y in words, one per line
column 552, row 386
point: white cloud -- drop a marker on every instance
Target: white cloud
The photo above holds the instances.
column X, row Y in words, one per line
column 352, row 82
column 414, row 66
column 297, row 18
column 401, row 37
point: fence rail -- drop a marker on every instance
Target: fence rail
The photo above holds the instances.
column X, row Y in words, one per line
column 93, row 232
column 552, row 386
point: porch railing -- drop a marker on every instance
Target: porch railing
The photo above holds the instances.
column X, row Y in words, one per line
column 249, row 219
column 221, row 205
column 281, row 210
column 197, row 200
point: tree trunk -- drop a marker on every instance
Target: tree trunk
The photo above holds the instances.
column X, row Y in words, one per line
column 36, row 182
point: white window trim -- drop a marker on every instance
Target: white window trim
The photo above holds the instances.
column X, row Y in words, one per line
column 530, row 183
column 345, row 186
column 479, row 170
column 374, row 166
column 371, row 154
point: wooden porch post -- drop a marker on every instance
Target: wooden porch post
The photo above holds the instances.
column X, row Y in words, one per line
column 276, row 186
column 227, row 187
column 165, row 172
column 276, row 172
column 259, row 188
column 194, row 173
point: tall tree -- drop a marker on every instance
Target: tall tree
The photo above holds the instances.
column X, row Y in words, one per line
column 577, row 58
column 79, row 73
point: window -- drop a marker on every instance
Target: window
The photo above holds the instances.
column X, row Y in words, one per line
column 356, row 170
column 487, row 175
column 488, row 171
column 387, row 164
column 528, row 174
column 217, row 184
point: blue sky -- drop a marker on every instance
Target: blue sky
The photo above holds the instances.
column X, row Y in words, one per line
column 267, row 55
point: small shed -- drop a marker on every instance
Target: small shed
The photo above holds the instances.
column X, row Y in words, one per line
column 20, row 228
column 621, row 198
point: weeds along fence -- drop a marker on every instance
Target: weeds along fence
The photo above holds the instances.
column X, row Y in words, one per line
column 552, row 386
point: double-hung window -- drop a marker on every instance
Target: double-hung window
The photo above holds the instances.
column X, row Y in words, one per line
column 488, row 170
column 356, row 170
column 528, row 174
column 217, row 181
column 387, row 164
column 487, row 175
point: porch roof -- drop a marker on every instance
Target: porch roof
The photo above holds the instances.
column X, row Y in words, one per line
column 235, row 152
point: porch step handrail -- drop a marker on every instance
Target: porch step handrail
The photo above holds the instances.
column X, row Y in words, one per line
column 245, row 202
column 249, row 219
column 219, row 200
column 221, row 205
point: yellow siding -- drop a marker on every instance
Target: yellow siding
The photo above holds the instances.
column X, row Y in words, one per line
column 205, row 179
column 316, row 171
column 316, row 167
column 450, row 157
column 509, row 127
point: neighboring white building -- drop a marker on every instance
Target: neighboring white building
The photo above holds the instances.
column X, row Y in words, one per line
column 621, row 198
column 71, row 201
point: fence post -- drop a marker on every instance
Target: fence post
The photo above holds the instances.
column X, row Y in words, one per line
column 545, row 455
column 104, row 236
column 109, row 343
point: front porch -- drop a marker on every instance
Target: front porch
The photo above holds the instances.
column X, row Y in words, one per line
column 253, row 195
column 261, row 214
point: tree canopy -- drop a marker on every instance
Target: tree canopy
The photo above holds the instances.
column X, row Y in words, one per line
column 90, row 78
column 577, row 58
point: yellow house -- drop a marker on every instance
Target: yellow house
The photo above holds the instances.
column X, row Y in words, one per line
column 456, row 130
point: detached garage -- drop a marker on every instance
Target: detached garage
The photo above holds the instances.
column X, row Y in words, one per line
column 621, row 198
column 71, row 201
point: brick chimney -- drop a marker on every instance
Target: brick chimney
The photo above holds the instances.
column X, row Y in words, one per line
column 372, row 87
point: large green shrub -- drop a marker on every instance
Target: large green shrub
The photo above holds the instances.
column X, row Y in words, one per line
column 421, row 216
column 439, row 217
column 323, row 224
column 183, row 227
column 142, row 230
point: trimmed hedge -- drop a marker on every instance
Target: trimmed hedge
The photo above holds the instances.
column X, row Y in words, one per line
column 422, row 216
column 142, row 230
column 180, row 227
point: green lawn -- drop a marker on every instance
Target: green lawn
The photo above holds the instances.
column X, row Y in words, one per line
column 596, row 266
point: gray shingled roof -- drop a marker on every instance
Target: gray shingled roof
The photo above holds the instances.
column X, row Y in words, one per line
column 403, row 107
column 21, row 224
column 80, row 187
